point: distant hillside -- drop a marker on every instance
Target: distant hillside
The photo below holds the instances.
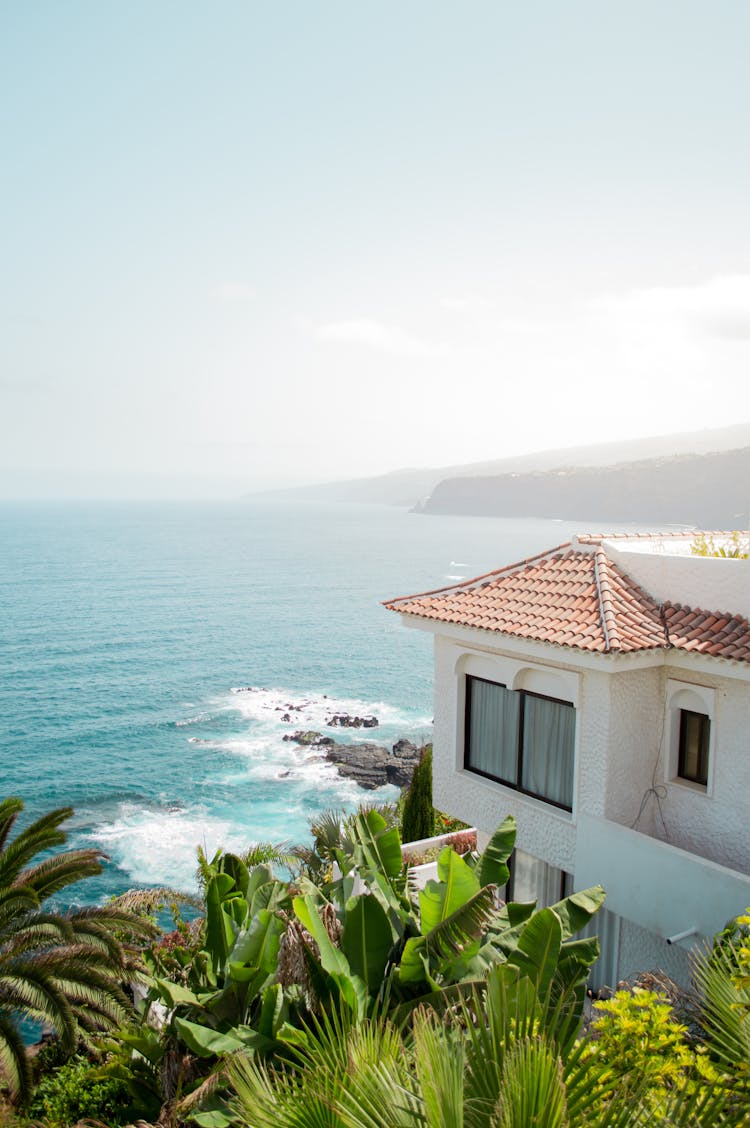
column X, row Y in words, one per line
column 409, row 487
column 711, row 491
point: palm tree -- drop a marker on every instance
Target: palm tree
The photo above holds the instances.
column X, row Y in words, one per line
column 67, row 971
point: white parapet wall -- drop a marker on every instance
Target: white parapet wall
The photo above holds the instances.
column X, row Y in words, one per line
column 675, row 894
column 668, row 571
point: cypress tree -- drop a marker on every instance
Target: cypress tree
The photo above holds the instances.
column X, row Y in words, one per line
column 418, row 818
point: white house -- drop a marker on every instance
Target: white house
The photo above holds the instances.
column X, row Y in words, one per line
column 586, row 692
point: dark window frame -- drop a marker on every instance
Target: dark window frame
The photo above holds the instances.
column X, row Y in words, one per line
column 517, row 784
column 704, row 742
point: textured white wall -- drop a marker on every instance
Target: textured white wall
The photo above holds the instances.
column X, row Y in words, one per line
column 655, row 884
column 640, row 950
column 635, row 747
column 707, row 582
column 715, row 825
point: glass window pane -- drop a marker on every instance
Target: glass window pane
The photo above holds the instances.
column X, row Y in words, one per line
column 492, row 736
column 694, row 738
column 548, row 749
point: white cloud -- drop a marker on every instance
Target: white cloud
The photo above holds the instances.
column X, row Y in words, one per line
column 234, row 292
column 376, row 335
column 717, row 308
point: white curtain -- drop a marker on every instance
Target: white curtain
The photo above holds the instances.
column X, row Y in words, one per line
column 548, row 746
column 493, row 730
column 535, row 880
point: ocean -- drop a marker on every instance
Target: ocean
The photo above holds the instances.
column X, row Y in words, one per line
column 149, row 651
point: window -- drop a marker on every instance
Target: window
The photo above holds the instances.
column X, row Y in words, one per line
column 695, row 734
column 521, row 739
column 692, row 732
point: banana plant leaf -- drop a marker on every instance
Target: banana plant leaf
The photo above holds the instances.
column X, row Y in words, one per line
column 538, row 950
column 367, row 940
column 235, row 868
column 577, row 909
column 206, row 1042
column 219, row 931
column 332, row 958
column 440, row 899
column 376, row 845
column 492, row 866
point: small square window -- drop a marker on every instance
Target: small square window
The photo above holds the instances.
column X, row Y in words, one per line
column 695, row 731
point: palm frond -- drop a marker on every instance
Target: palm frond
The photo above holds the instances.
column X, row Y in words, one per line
column 14, row 1064
column 44, row 834
column 35, row 993
column 532, row 1094
column 149, row 901
column 724, row 1004
column 440, row 1060
column 53, row 874
column 10, row 809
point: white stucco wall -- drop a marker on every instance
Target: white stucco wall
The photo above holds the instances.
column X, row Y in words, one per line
column 715, row 822
column 656, row 885
column 634, row 746
column 711, row 583
column 640, row 950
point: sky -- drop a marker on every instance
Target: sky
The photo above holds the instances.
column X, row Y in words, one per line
column 252, row 244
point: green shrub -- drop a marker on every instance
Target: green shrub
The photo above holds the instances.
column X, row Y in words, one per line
column 418, row 818
column 736, row 548
column 78, row 1090
column 637, row 1038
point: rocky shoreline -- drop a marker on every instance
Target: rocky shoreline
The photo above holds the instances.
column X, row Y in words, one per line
column 368, row 764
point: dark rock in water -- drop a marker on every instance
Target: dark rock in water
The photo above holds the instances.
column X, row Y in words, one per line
column 287, row 718
column 373, row 765
column 309, row 739
column 404, row 747
column 345, row 720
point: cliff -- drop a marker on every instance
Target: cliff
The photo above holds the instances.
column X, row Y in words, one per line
column 710, row 491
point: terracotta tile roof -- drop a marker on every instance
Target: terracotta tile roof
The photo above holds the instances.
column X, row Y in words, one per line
column 708, row 632
column 578, row 598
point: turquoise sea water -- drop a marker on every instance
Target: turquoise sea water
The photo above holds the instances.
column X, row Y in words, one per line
column 128, row 628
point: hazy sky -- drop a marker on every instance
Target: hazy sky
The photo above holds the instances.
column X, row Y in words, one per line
column 279, row 242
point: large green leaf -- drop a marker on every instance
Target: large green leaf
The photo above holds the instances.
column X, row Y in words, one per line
column 538, row 950
column 576, row 910
column 367, row 939
column 259, row 875
column 492, row 868
column 448, row 949
column 258, row 945
column 219, row 931
column 414, row 966
column 440, row 899
column 331, row 957
column 377, row 845
column 174, row 994
column 205, row 1042
column 237, row 870
column 272, row 1012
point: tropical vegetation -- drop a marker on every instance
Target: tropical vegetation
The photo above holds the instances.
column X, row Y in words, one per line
column 67, row 970
column 332, row 992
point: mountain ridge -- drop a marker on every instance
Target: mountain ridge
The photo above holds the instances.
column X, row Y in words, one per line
column 413, row 486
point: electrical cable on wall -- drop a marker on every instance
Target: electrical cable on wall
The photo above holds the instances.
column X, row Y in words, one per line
column 657, row 791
